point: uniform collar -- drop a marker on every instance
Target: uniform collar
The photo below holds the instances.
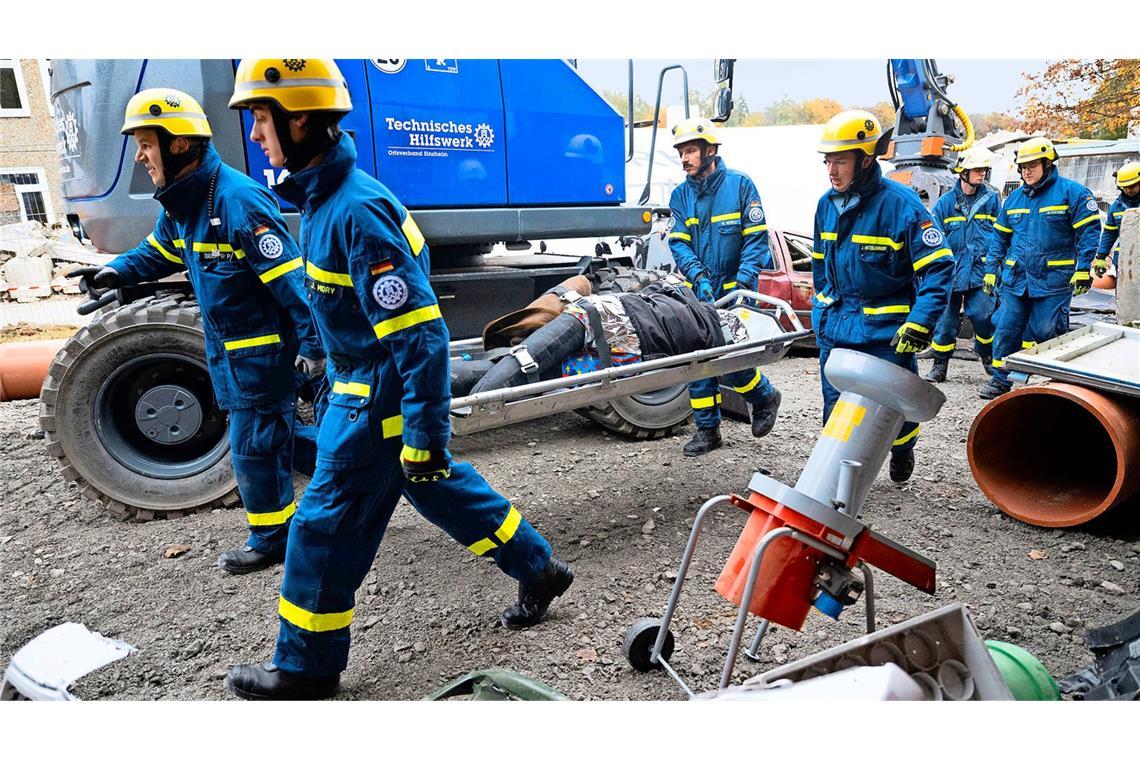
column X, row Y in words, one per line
column 309, row 188
column 710, row 183
column 969, row 201
column 183, row 198
column 869, row 184
column 1129, row 202
column 1035, row 190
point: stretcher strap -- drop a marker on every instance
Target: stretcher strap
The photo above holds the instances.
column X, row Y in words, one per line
column 600, row 342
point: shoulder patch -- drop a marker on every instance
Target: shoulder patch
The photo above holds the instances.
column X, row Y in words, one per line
column 390, row 292
column 932, row 236
column 755, row 214
column 1091, row 205
column 270, row 246
column 261, row 230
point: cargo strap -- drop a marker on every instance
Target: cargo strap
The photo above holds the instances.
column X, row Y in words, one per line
column 526, row 361
column 600, row 343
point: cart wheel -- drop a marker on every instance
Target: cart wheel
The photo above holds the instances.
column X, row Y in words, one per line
column 638, row 644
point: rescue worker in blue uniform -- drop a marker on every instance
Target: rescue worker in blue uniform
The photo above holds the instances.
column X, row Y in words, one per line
column 227, row 233
column 719, row 242
column 1043, row 245
column 881, row 266
column 386, row 429
column 1128, row 182
column 966, row 217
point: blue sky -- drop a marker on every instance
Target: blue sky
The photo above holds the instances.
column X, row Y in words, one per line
column 980, row 86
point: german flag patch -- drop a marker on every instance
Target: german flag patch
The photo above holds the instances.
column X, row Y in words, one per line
column 381, row 267
column 261, row 230
column 927, row 223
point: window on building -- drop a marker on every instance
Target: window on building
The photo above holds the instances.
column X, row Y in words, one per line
column 13, row 96
column 32, row 190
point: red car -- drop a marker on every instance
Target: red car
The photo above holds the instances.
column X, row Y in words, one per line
column 790, row 279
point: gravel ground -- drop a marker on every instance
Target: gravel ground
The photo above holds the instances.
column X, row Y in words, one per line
column 620, row 510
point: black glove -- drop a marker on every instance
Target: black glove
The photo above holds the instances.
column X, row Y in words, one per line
column 424, row 465
column 911, row 338
column 310, row 368
column 96, row 280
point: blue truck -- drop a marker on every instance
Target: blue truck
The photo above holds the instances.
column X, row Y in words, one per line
column 484, row 152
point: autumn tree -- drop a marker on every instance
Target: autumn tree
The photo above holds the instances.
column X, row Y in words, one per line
column 642, row 111
column 994, row 121
column 1098, row 98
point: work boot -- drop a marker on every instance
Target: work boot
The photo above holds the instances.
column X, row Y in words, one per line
column 247, row 560
column 937, row 373
column 265, row 681
column 987, row 361
column 764, row 416
column 994, row 389
column 902, row 465
column 536, row 595
column 703, row 441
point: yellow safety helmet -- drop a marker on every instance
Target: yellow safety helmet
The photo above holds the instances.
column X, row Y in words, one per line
column 696, row 128
column 1127, row 175
column 851, row 130
column 294, row 84
column 975, row 158
column 1034, row 149
column 172, row 111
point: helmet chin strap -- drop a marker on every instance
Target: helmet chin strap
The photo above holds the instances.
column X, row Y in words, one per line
column 173, row 163
column 964, row 176
column 322, row 135
column 707, row 160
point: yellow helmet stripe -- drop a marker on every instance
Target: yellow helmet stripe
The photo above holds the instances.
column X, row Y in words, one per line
column 140, row 118
column 285, row 83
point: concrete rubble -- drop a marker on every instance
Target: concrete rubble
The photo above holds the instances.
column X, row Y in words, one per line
column 34, row 260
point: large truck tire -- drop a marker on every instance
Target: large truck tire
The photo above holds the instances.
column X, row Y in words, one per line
column 128, row 410
column 644, row 416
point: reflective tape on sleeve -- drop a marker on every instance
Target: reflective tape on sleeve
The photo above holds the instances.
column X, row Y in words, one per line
column 272, row 274
column 153, row 241
column 404, row 321
column 940, row 253
column 412, row 233
column 261, row 340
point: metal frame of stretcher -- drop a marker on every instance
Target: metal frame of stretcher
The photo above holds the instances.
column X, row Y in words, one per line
column 506, row 406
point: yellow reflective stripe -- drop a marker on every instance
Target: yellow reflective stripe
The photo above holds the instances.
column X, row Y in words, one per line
column 998, row 362
column 1001, row 227
column 706, row 402
column 404, row 321
column 511, row 523
column 907, row 437
column 688, row 284
column 409, row 454
column 680, row 236
column 816, row 255
column 1118, row 213
column 165, row 253
column 1028, row 343
column 873, row 240
column 1016, row 211
column 901, row 308
column 986, row 217
column 828, row 235
column 317, row 622
column 239, row 253
column 726, row 217
column 956, row 219
column 1111, row 227
column 208, row 247
column 932, row 257
column 691, row 221
column 729, row 285
column 330, row 278
column 1060, row 262
column 1010, row 262
column 754, row 228
column 392, row 427
column 1062, row 207
column 261, row 340
column 281, row 269
column 413, row 234
column 943, row 347
column 363, row 390
column 751, row 384
column 984, row 341
column 1086, row 220
column 823, row 299
column 280, row 517
column 179, row 243
column 481, row 547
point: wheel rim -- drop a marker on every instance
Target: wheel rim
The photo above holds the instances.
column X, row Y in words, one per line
column 156, row 416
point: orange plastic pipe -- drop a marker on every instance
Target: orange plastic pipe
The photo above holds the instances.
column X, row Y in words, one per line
column 23, row 367
column 1057, row 455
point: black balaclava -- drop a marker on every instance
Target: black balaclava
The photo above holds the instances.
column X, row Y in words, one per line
column 323, row 133
column 173, row 163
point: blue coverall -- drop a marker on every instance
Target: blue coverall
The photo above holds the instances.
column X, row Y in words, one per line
column 878, row 260
column 246, row 274
column 367, row 268
column 1043, row 234
column 967, row 221
column 1111, row 231
column 719, row 232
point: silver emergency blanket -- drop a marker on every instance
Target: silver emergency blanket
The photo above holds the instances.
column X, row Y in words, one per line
column 616, row 324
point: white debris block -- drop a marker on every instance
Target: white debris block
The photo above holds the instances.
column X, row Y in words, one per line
column 47, row 665
column 25, row 239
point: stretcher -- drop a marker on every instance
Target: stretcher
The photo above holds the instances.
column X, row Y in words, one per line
column 506, row 406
